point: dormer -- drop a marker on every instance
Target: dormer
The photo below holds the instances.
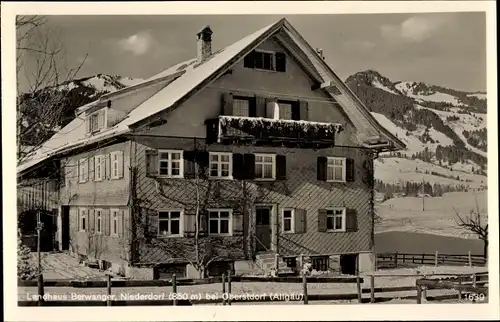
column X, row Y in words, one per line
column 96, row 119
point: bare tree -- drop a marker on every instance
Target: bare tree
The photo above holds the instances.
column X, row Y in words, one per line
column 475, row 224
column 43, row 95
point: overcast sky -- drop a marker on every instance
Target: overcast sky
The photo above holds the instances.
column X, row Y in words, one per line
column 447, row 49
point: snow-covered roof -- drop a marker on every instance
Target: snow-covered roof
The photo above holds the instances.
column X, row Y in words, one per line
column 185, row 79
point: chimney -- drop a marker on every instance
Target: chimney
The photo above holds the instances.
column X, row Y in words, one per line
column 319, row 51
column 204, row 44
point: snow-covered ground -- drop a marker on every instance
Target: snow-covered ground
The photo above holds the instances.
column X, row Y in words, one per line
column 438, row 216
column 400, row 170
column 481, row 96
column 377, row 84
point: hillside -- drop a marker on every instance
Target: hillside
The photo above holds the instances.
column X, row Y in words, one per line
column 444, row 130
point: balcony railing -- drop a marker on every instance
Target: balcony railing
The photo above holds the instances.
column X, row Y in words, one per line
column 262, row 130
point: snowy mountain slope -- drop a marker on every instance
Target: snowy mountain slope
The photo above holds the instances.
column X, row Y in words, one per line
column 444, row 130
column 101, row 83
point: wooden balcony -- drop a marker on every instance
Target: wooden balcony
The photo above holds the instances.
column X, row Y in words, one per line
column 266, row 131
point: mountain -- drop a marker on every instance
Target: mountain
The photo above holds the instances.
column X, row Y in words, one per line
column 444, row 130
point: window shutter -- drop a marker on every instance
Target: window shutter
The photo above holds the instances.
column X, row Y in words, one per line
column 103, row 167
column 202, row 158
column 203, row 223
column 304, row 110
column 87, row 123
column 321, row 168
column 238, row 166
column 270, row 108
column 260, row 106
column 300, row 221
column 92, row 168
column 152, row 162
column 280, row 62
column 249, row 166
column 349, row 171
column 322, row 220
column 86, row 172
column 296, row 111
column 189, row 164
column 100, row 119
column 237, row 224
column 252, row 107
column 120, row 164
column 249, row 61
column 107, row 166
column 351, row 217
column 91, row 215
column 227, row 104
column 189, row 225
column 106, row 222
column 280, row 167
column 120, row 222
column 151, row 230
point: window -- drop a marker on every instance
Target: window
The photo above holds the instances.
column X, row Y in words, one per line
column 99, row 167
column 83, row 219
column 288, row 220
column 98, row 221
column 83, row 173
column 319, row 263
column 264, row 60
column 265, row 166
column 221, row 165
column 336, row 169
column 241, row 106
column 114, row 222
column 95, row 121
column 170, row 223
column 285, row 111
column 116, row 164
column 335, row 219
column 171, row 164
column 219, row 222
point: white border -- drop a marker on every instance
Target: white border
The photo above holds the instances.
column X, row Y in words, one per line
column 220, row 313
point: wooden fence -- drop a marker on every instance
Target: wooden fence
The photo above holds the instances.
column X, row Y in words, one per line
column 473, row 288
column 183, row 299
column 395, row 260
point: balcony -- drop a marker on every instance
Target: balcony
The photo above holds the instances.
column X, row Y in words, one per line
column 267, row 131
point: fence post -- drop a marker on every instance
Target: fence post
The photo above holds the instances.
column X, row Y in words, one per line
column 174, row 289
column 40, row 290
column 358, row 284
column 459, row 291
column 419, row 293
column 436, row 259
column 108, row 300
column 223, row 289
column 304, row 287
column 228, row 287
column 372, row 289
column 470, row 259
column 396, row 260
column 474, row 280
column 423, row 255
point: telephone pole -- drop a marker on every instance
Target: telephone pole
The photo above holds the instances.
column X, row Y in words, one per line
column 39, row 226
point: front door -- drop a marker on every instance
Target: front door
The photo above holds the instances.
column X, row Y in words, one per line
column 263, row 228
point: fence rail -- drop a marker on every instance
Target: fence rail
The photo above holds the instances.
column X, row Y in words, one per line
column 395, row 260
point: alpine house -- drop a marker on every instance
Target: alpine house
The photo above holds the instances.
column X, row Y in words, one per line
column 250, row 158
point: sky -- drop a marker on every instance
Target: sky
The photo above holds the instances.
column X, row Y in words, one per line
column 446, row 49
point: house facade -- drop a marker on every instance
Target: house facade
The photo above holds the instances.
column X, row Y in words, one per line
column 253, row 150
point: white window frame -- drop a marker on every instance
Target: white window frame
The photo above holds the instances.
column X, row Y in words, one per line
column 95, row 115
column 181, row 165
column 344, row 217
column 344, row 168
column 116, row 163
column 273, row 55
column 181, row 223
column 292, row 219
column 230, row 221
column 115, row 218
column 100, row 164
column 83, row 214
column 219, row 165
column 262, row 165
column 83, row 170
column 98, row 222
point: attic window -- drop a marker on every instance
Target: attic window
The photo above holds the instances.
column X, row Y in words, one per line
column 95, row 121
column 265, row 60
